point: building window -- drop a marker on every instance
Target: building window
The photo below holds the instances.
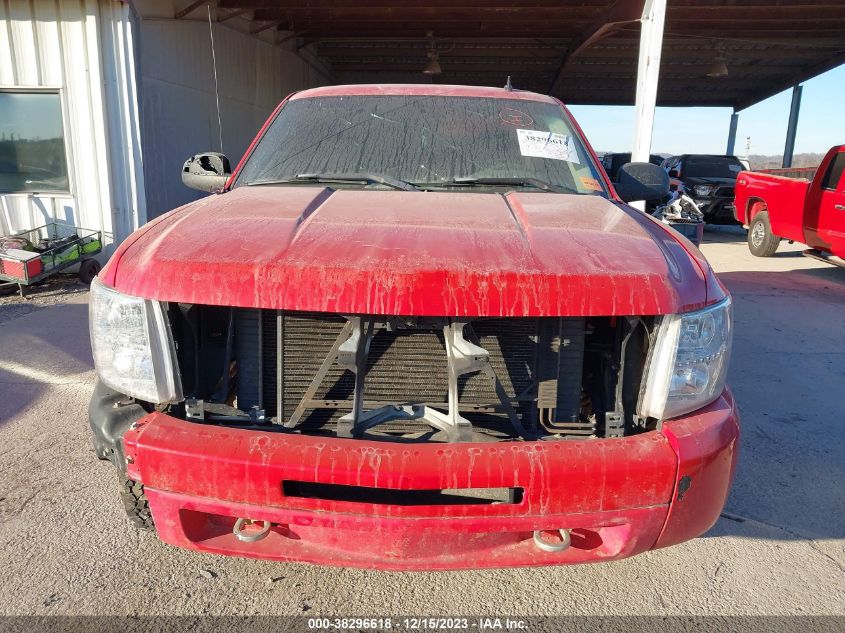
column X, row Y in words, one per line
column 32, row 143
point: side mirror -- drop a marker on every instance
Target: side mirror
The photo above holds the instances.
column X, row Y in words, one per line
column 673, row 173
column 208, row 171
column 642, row 181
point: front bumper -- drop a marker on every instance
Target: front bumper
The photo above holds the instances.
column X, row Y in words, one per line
column 619, row 497
column 716, row 208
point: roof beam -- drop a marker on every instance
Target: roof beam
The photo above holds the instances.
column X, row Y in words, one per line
column 431, row 13
column 268, row 25
column 807, row 73
column 621, row 12
column 194, row 5
column 702, row 14
column 769, row 4
column 325, row 5
column 382, row 54
column 233, row 14
column 675, row 13
column 499, row 64
column 418, row 31
column 460, row 40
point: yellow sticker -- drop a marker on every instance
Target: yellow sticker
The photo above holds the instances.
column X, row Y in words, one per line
column 590, row 183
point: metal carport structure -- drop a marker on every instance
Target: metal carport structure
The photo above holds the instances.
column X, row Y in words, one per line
column 136, row 86
column 584, row 52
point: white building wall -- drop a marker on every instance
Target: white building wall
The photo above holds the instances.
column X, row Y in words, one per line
column 138, row 98
column 83, row 49
column 178, row 104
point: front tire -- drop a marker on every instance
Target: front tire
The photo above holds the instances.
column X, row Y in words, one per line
column 135, row 503
column 761, row 241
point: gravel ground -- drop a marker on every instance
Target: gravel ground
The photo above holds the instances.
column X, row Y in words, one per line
column 56, row 289
column 66, row 548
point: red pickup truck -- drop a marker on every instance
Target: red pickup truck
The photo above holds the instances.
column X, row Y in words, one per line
column 417, row 328
column 808, row 211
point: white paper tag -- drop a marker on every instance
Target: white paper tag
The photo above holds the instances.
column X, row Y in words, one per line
column 547, row 145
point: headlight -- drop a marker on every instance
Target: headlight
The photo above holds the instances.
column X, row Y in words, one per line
column 133, row 348
column 703, row 190
column 688, row 362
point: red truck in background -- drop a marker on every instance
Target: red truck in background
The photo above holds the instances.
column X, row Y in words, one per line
column 808, row 211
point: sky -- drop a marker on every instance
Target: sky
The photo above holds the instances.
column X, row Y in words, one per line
column 705, row 130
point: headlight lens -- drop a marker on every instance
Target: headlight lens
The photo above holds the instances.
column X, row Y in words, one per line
column 688, row 362
column 133, row 348
column 703, row 190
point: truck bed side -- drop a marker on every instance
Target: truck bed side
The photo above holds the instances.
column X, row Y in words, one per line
column 783, row 199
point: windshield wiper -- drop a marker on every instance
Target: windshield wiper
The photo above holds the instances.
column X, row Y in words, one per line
column 518, row 181
column 366, row 177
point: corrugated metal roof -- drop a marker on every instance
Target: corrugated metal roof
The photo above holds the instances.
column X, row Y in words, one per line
column 581, row 51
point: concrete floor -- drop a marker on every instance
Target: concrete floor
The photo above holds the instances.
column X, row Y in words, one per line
column 66, row 548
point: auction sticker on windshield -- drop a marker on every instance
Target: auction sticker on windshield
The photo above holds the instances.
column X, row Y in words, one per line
column 546, row 145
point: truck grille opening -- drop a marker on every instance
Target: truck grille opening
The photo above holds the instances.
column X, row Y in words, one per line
column 394, row 497
column 512, row 377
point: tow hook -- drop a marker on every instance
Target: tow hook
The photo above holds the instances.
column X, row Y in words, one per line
column 250, row 536
column 547, row 546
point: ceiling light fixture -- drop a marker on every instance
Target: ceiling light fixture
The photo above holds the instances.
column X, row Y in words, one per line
column 718, row 68
column 433, row 65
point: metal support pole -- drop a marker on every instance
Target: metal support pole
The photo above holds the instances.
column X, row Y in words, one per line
column 732, row 134
column 792, row 128
column 648, row 70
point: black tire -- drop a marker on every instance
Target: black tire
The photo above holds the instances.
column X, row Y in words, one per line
column 761, row 241
column 135, row 503
column 88, row 270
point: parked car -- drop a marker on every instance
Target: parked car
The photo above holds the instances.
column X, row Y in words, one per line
column 812, row 212
column 417, row 328
column 614, row 160
column 709, row 180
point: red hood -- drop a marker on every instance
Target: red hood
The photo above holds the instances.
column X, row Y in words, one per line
column 410, row 253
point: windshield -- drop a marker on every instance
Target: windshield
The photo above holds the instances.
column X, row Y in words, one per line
column 712, row 167
column 429, row 141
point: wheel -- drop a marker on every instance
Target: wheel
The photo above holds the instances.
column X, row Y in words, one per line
column 761, row 241
column 135, row 503
column 88, row 270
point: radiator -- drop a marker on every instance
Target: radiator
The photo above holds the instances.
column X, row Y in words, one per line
column 279, row 353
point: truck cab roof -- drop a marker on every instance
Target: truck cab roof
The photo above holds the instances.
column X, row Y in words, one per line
column 422, row 90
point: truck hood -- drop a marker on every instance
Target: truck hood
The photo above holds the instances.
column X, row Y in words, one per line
column 412, row 253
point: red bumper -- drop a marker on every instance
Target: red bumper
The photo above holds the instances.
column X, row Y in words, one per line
column 619, row 497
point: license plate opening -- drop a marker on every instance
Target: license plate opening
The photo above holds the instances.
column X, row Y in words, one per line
column 386, row 496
